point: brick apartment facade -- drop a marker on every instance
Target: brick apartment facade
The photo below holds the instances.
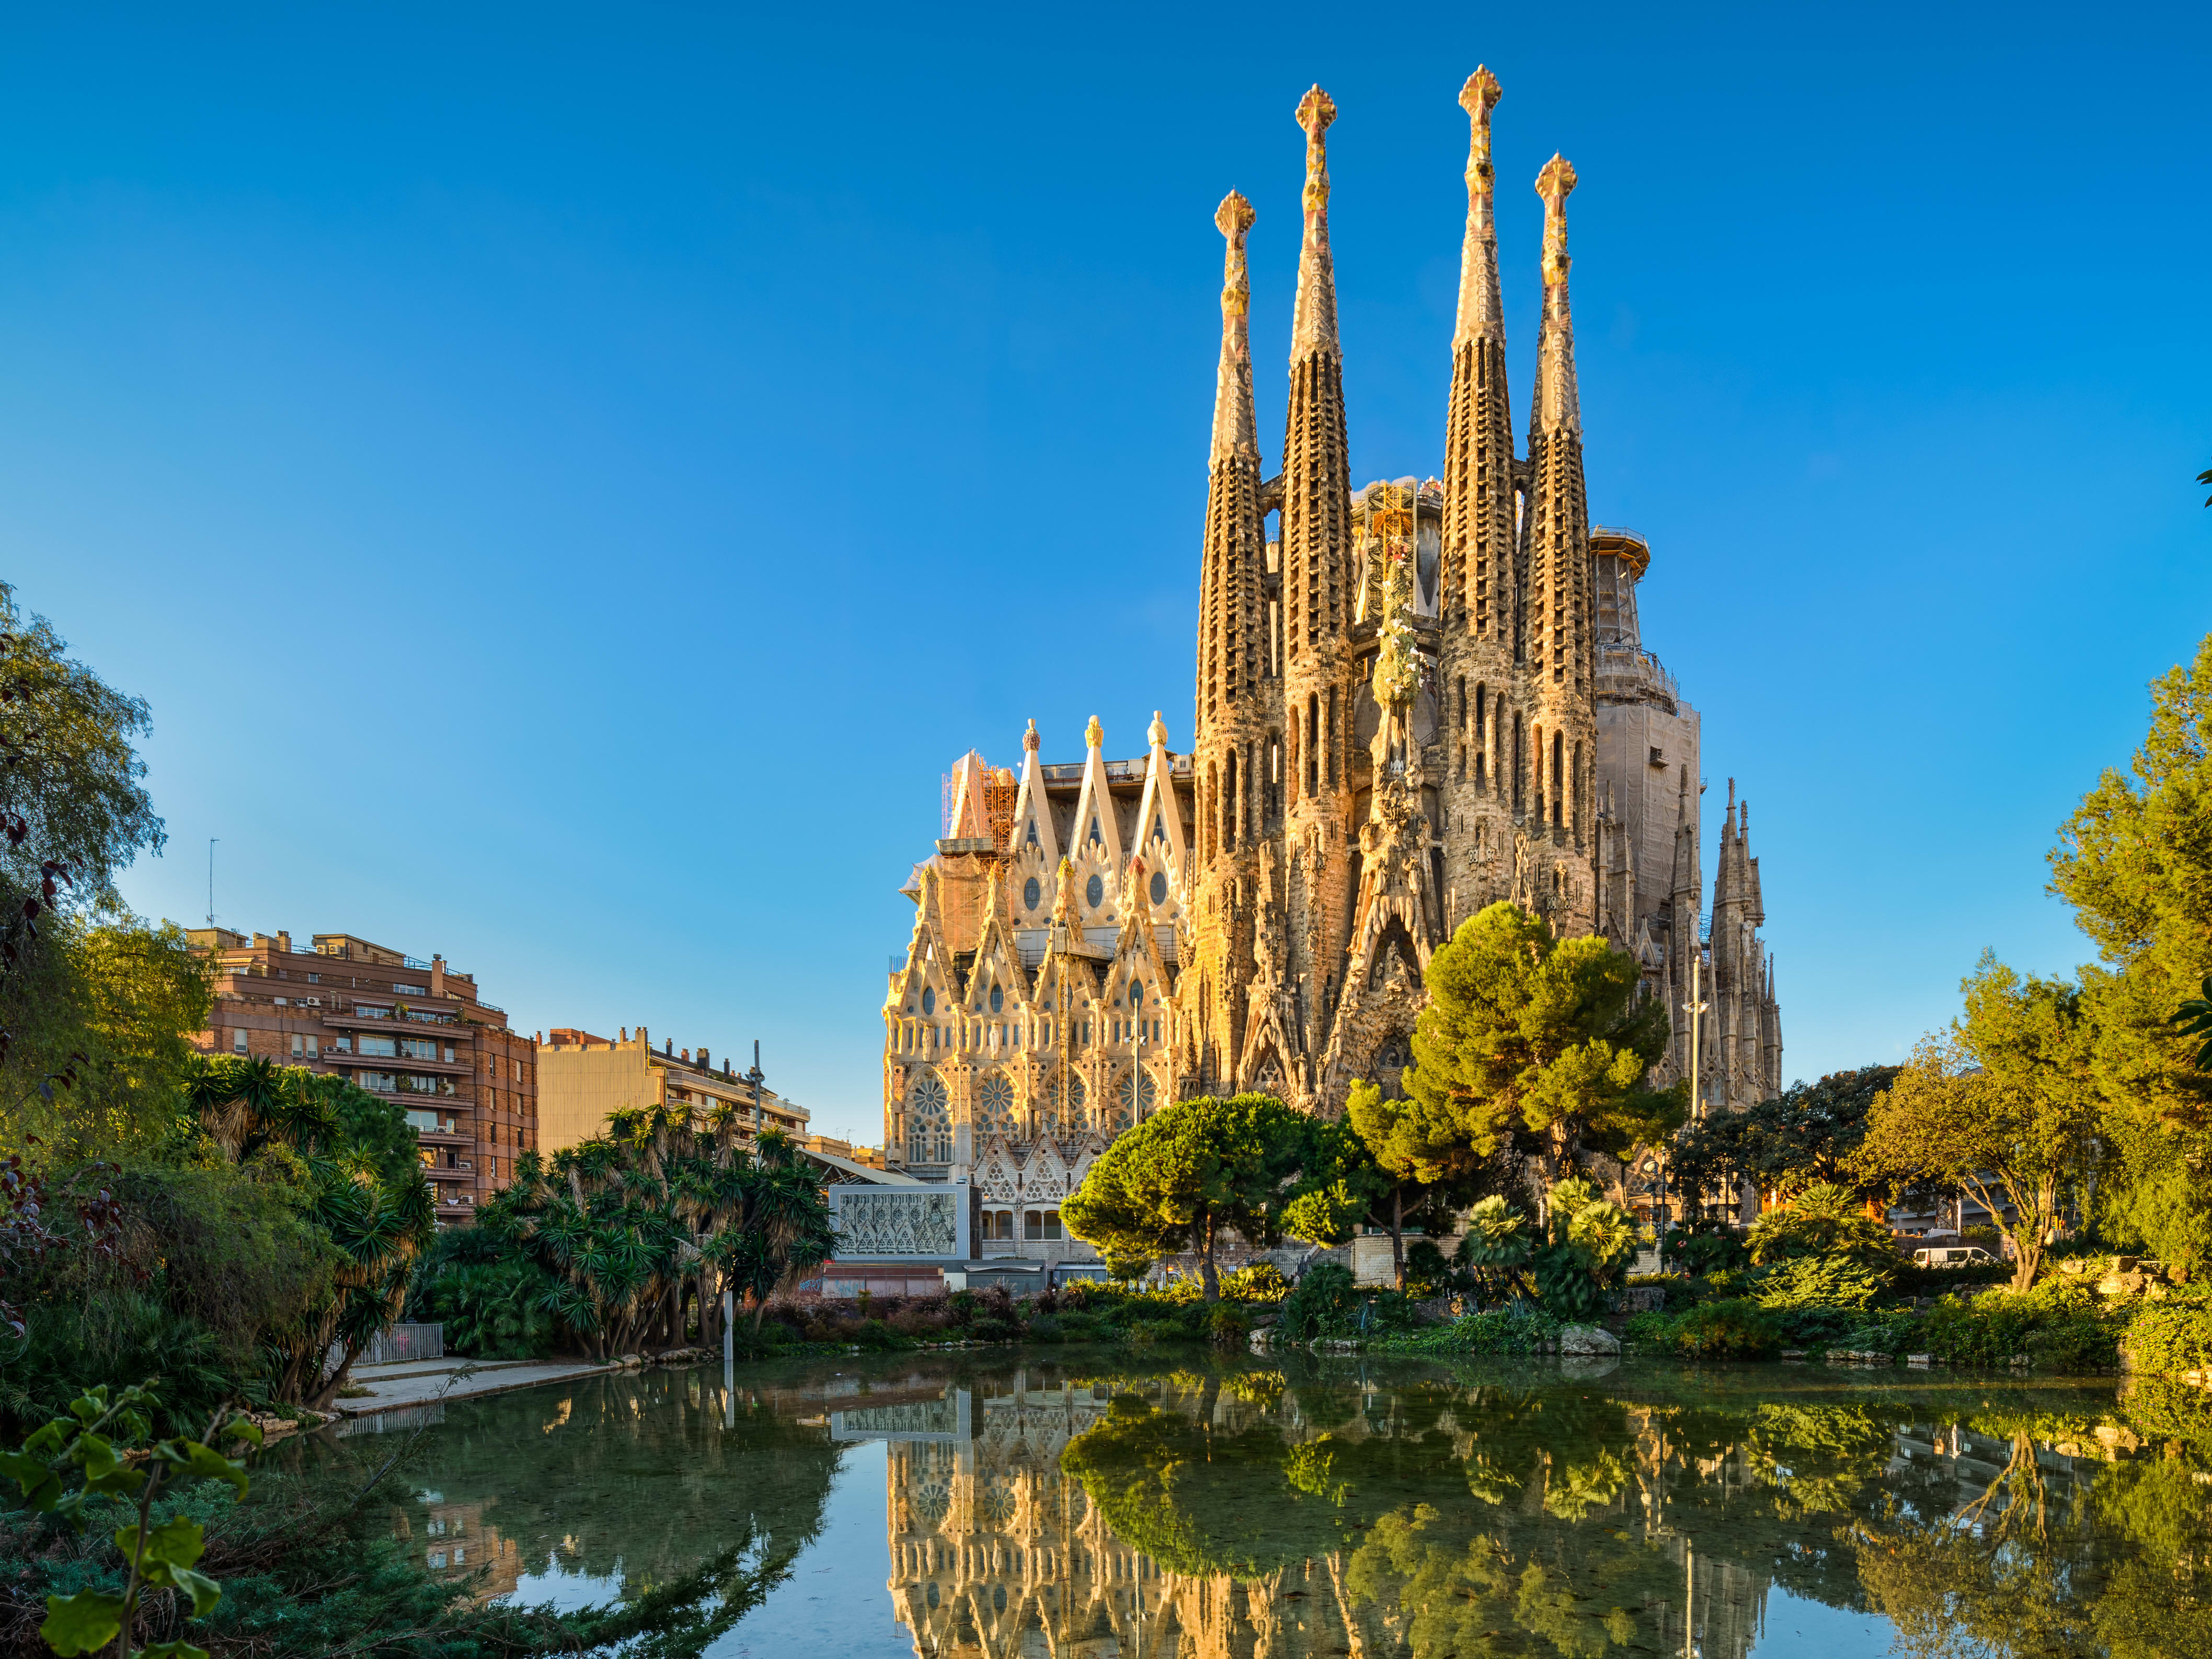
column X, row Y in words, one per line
column 584, row 1079
column 413, row 1032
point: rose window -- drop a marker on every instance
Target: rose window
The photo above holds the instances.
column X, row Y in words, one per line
column 929, row 1122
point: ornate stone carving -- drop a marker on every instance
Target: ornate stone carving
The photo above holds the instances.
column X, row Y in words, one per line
column 888, row 1222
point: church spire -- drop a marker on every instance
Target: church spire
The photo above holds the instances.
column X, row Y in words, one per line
column 1316, row 501
column 1235, row 427
column 1479, row 516
column 1556, row 525
column 1313, row 324
column 1234, row 559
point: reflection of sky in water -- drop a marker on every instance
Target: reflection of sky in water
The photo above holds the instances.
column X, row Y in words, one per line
column 833, row 1605
column 1800, row 1629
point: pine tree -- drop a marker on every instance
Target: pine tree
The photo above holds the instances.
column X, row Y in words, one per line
column 1539, row 1041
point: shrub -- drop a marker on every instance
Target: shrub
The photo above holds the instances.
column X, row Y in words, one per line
column 1653, row 1332
column 1736, row 1329
column 1818, row 1282
column 2170, row 1337
column 1228, row 1325
column 118, row 1339
column 1824, row 1222
column 1706, row 1246
column 2057, row 1323
column 1518, row 1328
column 1322, row 1302
column 1263, row 1281
column 1046, row 1327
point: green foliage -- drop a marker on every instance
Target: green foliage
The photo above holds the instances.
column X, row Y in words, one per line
column 2057, row 1324
column 2172, row 1336
column 1500, row 1242
column 69, row 1346
column 1808, row 1281
column 1734, row 1328
column 1518, row 1328
column 493, row 1301
column 1543, row 1039
column 1824, row 1221
column 1810, row 1132
column 1322, row 1305
column 81, row 1456
column 620, row 1227
column 2003, row 1105
column 1706, row 1246
column 1190, row 1172
column 1263, row 1281
column 1592, row 1241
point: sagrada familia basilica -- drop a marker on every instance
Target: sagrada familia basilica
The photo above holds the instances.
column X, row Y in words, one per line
column 1413, row 700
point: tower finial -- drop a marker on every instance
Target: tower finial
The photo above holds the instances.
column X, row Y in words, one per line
column 1094, row 734
column 1313, row 327
column 1480, row 309
column 1235, row 427
column 1559, row 404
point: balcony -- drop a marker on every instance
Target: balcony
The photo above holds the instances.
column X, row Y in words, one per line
column 465, row 1171
column 462, row 1067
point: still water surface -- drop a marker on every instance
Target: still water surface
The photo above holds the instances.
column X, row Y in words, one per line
column 1106, row 1506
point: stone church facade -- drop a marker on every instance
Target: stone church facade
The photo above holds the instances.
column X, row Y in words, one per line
column 1412, row 700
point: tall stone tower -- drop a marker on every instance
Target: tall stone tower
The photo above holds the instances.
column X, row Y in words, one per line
column 1315, row 517
column 1482, row 787
column 1239, row 694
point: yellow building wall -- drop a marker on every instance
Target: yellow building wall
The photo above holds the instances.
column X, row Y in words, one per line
column 579, row 1089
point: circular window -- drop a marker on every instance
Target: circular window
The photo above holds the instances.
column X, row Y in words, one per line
column 1094, row 892
column 1159, row 887
column 995, row 1105
column 998, row 999
column 929, row 1120
column 1031, row 894
column 1139, row 1094
column 929, row 1002
column 1075, row 1092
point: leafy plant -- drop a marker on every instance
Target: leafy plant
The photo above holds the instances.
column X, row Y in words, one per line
column 1736, row 1329
column 79, row 1457
column 1824, row 1221
column 1322, row 1302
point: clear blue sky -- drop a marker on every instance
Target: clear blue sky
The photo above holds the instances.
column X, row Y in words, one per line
column 569, row 481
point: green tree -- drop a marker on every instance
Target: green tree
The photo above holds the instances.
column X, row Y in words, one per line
column 2003, row 1105
column 371, row 1205
column 1396, row 1164
column 1190, row 1173
column 2135, row 861
column 664, row 1206
column 1540, row 1038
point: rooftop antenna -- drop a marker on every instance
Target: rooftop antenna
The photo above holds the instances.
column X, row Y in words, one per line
column 212, row 841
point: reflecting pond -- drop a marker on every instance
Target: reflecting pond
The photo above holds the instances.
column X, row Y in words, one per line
column 1103, row 1504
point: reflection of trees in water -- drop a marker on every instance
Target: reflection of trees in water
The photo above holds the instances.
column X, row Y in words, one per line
column 1301, row 1509
column 635, row 1480
column 2041, row 1553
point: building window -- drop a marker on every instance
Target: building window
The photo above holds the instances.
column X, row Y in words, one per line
column 238, row 1040
column 1040, row 1225
column 299, row 1046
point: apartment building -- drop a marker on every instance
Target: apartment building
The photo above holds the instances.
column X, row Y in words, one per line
column 397, row 1026
column 584, row 1079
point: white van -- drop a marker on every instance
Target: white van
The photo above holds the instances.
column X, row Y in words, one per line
column 1954, row 1255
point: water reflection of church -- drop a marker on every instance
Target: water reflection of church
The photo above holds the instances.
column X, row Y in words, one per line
column 997, row 1554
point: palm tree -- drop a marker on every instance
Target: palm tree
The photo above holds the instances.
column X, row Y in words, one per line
column 2194, row 1017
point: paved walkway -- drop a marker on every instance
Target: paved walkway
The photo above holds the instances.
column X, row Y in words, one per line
column 423, row 1382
